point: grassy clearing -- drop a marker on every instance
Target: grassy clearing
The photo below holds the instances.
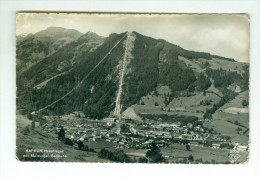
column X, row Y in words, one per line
column 242, row 139
column 143, row 109
column 215, row 63
column 224, row 64
column 237, row 102
column 177, row 151
column 192, row 103
column 22, row 121
column 242, row 118
column 194, row 65
column 190, row 106
column 224, row 127
column 222, row 121
column 97, row 145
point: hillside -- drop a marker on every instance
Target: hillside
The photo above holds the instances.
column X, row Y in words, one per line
column 60, row 61
column 32, row 48
column 41, row 140
column 84, row 76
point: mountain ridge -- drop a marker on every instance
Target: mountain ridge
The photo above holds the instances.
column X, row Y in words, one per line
column 155, row 62
column 32, row 48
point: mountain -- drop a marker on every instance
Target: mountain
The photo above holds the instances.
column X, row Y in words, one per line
column 100, row 76
column 32, row 48
column 60, row 61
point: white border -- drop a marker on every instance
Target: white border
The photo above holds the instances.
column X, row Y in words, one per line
column 10, row 168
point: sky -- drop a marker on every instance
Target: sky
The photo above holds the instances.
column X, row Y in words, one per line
column 225, row 35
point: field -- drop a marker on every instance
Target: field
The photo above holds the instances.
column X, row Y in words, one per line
column 194, row 65
column 224, row 64
column 227, row 112
column 98, row 145
column 241, row 118
column 178, row 152
column 197, row 65
column 224, row 127
column 228, row 119
column 187, row 106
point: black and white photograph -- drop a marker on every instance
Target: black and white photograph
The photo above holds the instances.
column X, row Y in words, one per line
column 132, row 88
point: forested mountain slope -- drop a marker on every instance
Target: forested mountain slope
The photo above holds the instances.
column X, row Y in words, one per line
column 32, row 48
column 60, row 61
column 92, row 75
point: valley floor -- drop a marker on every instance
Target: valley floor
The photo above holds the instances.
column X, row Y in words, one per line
column 48, row 148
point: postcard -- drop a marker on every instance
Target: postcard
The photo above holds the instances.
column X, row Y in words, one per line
column 132, row 88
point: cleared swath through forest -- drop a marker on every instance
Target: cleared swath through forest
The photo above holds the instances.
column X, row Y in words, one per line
column 81, row 82
column 118, row 104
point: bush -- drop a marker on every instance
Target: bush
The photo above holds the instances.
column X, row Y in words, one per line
column 142, row 160
column 26, row 130
column 30, row 116
column 68, row 142
column 244, row 103
column 124, row 128
column 91, row 150
column 185, row 160
column 190, row 158
column 85, row 148
column 188, row 147
column 61, row 134
column 156, row 104
column 154, row 154
column 80, row 145
column 207, row 115
column 103, row 153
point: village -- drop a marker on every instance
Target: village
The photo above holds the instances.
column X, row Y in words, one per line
column 137, row 135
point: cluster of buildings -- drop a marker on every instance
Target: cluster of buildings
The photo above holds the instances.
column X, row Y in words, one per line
column 139, row 136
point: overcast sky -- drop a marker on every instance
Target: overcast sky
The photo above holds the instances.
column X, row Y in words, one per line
column 224, row 35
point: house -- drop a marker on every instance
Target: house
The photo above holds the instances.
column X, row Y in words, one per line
column 186, row 137
column 175, row 126
column 196, row 137
column 82, row 138
column 241, row 148
column 97, row 138
column 184, row 131
column 215, row 146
